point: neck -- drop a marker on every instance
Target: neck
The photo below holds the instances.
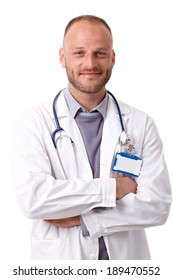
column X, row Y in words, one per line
column 88, row 100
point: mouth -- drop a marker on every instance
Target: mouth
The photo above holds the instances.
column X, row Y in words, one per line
column 90, row 74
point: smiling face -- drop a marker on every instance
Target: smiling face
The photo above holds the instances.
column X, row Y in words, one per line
column 88, row 57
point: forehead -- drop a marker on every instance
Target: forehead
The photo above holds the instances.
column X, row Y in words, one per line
column 84, row 33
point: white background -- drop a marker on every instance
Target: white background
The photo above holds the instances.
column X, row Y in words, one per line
column 30, row 37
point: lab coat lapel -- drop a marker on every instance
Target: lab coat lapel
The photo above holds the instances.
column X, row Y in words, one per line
column 111, row 133
column 69, row 125
column 73, row 131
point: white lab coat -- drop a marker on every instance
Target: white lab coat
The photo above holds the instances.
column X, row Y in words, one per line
column 55, row 184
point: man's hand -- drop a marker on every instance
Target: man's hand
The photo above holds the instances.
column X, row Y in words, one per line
column 125, row 185
column 67, row 222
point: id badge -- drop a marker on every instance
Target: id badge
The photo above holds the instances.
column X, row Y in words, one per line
column 127, row 164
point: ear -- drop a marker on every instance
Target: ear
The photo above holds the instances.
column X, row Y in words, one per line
column 62, row 57
column 113, row 58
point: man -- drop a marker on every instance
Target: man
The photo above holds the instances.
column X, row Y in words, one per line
column 81, row 208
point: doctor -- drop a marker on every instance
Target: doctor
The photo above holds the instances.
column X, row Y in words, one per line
column 80, row 207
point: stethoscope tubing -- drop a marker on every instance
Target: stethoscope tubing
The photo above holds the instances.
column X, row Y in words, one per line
column 59, row 128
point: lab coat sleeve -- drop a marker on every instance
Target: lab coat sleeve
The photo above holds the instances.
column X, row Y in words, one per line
column 39, row 193
column 149, row 206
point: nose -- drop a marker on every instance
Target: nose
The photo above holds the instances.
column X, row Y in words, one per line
column 90, row 60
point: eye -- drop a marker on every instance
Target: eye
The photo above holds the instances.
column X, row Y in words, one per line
column 78, row 53
column 100, row 53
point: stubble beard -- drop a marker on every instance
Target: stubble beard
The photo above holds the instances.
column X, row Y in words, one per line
column 89, row 89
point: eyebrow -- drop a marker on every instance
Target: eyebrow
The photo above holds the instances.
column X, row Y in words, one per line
column 97, row 49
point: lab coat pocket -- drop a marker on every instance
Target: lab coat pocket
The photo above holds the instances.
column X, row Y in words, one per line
column 50, row 249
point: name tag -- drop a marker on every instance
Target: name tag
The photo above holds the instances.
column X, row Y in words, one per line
column 127, row 164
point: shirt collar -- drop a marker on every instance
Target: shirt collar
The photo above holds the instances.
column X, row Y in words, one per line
column 74, row 106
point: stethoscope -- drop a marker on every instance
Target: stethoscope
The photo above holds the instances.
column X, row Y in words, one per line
column 124, row 139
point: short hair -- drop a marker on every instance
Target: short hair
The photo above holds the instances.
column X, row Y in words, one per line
column 89, row 18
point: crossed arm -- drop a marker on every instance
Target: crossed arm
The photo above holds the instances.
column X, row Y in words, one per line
column 124, row 185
